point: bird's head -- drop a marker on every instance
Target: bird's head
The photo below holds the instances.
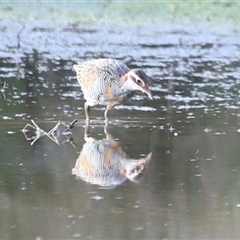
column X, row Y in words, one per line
column 137, row 80
column 135, row 169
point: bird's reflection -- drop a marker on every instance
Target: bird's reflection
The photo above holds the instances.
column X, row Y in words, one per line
column 105, row 163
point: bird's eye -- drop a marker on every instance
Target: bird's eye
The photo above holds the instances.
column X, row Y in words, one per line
column 138, row 81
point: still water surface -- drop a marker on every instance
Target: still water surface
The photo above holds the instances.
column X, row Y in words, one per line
column 189, row 185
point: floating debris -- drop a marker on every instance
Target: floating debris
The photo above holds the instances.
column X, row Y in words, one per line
column 206, row 130
column 54, row 134
column 97, row 197
column 10, row 132
column 6, row 118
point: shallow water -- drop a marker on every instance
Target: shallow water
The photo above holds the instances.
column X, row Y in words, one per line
column 189, row 188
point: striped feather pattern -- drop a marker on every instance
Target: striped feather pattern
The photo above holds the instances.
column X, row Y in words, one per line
column 109, row 82
column 100, row 80
column 100, row 163
column 104, row 163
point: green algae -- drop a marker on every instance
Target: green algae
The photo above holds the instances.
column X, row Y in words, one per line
column 135, row 13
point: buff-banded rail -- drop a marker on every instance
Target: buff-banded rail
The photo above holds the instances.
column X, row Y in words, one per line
column 109, row 82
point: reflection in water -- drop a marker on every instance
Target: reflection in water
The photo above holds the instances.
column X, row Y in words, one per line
column 104, row 162
column 55, row 134
column 2, row 90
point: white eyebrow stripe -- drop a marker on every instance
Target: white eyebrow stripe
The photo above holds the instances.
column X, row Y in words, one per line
column 134, row 75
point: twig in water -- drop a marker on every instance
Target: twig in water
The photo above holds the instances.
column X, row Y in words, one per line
column 69, row 125
column 18, row 35
column 2, row 90
column 53, row 134
column 38, row 131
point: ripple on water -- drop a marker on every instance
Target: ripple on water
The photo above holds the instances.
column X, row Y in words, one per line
column 188, row 69
column 137, row 108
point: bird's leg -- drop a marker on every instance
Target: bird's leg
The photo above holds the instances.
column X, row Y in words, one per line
column 87, row 137
column 86, row 131
column 109, row 136
column 87, row 109
column 106, row 113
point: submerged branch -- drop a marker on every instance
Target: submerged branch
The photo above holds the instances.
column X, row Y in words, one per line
column 54, row 134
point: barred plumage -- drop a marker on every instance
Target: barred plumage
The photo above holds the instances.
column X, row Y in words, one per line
column 104, row 163
column 109, row 82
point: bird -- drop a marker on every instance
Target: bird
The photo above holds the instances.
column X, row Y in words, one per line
column 109, row 82
column 105, row 163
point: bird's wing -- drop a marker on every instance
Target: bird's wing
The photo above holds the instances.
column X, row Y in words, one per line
column 101, row 68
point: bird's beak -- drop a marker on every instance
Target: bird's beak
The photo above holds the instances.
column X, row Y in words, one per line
column 148, row 92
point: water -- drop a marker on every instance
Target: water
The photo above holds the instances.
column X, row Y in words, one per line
column 190, row 185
